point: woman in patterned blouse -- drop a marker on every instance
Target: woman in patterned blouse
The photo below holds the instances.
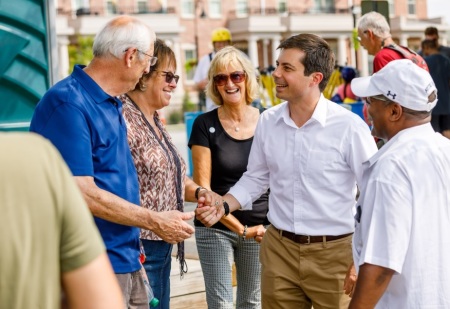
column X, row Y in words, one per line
column 160, row 167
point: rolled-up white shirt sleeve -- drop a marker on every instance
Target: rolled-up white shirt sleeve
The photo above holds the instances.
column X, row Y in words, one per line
column 255, row 181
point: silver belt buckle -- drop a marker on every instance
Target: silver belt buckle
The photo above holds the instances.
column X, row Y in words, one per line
column 309, row 240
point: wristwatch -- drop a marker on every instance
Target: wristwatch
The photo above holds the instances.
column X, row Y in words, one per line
column 197, row 191
column 226, row 207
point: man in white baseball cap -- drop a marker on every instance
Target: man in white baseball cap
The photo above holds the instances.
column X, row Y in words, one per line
column 401, row 242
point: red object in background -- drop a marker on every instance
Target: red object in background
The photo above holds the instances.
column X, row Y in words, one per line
column 162, row 117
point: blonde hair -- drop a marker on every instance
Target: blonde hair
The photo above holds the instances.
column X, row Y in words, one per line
column 226, row 56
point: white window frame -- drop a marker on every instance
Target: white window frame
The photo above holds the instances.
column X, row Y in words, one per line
column 113, row 3
column 145, row 2
column 391, row 7
column 78, row 4
column 284, row 4
column 187, row 8
column 323, row 5
column 212, row 5
column 241, row 8
column 411, row 7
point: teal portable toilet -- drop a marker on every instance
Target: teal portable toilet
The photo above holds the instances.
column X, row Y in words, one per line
column 27, row 59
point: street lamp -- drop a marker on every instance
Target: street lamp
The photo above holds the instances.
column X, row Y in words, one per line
column 202, row 15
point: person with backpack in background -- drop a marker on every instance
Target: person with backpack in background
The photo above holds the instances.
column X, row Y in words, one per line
column 374, row 34
column 221, row 37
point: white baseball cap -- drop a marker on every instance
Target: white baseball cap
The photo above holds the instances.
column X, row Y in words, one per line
column 400, row 81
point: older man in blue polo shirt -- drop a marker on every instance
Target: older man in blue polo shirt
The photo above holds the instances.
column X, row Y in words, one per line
column 83, row 119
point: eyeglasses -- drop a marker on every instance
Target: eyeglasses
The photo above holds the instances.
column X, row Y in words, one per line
column 377, row 97
column 169, row 76
column 151, row 60
column 236, row 77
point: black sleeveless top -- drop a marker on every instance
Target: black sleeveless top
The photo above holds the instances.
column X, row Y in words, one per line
column 229, row 158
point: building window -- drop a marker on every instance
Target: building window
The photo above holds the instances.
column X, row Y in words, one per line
column 142, row 6
column 241, row 8
column 80, row 4
column 190, row 63
column 215, row 8
column 412, row 7
column 282, row 6
column 111, row 7
column 324, row 6
column 187, row 8
column 391, row 8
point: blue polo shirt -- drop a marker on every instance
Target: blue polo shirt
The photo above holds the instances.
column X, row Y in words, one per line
column 87, row 127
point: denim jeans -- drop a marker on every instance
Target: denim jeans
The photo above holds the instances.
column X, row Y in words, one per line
column 157, row 265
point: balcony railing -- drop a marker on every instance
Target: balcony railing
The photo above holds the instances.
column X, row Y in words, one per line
column 289, row 11
column 110, row 9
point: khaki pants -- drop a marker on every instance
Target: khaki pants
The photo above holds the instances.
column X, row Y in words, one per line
column 300, row 276
column 133, row 289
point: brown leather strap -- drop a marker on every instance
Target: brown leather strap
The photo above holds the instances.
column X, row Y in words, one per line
column 306, row 239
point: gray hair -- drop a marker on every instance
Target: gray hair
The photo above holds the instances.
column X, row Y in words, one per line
column 375, row 22
column 120, row 34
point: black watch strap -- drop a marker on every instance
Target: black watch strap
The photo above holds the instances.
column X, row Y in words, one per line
column 197, row 191
column 226, row 207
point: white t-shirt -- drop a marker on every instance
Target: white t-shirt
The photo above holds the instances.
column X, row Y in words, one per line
column 404, row 212
column 201, row 73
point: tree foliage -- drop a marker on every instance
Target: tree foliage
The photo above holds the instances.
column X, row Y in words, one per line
column 80, row 52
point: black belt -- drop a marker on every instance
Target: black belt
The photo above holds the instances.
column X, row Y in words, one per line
column 306, row 239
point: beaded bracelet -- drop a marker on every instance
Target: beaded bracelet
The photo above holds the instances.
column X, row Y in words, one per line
column 245, row 232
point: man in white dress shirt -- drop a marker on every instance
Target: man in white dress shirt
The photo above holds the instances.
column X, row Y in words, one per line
column 309, row 151
column 401, row 243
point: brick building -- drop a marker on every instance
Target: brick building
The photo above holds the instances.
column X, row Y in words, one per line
column 257, row 26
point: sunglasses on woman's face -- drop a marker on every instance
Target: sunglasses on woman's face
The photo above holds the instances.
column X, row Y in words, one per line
column 236, row 77
column 169, row 76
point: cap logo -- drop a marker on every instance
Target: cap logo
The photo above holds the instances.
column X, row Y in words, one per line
column 393, row 95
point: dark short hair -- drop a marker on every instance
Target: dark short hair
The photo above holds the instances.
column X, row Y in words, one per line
column 431, row 31
column 433, row 44
column 318, row 55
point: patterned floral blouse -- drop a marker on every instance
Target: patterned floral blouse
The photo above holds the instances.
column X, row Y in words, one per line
column 156, row 163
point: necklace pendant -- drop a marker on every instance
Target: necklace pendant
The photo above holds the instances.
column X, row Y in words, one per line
column 236, row 129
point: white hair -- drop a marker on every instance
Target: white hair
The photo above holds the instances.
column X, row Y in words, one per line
column 120, row 34
column 375, row 22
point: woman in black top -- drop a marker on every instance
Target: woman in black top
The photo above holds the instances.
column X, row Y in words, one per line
column 220, row 141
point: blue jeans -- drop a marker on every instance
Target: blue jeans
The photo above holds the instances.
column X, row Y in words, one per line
column 158, row 265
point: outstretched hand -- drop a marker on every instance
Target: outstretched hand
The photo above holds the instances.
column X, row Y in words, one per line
column 172, row 227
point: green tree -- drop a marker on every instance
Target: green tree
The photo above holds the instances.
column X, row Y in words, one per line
column 80, row 52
